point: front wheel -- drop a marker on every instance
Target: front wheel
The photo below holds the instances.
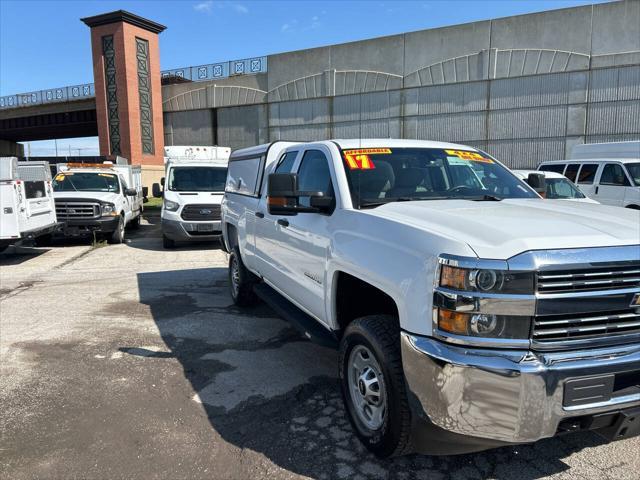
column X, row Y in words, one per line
column 373, row 387
column 241, row 281
column 118, row 234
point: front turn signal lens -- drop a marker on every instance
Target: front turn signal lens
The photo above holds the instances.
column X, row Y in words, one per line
column 453, row 322
column 453, row 277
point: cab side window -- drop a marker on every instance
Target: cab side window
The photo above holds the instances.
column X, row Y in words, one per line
column 286, row 162
column 572, row 171
column 587, row 173
column 613, row 174
column 314, row 175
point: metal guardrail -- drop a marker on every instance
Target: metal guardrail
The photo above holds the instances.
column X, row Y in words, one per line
column 201, row 73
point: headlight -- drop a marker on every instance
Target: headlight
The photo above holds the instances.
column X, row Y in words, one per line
column 171, row 206
column 483, row 325
column 108, row 209
column 484, row 280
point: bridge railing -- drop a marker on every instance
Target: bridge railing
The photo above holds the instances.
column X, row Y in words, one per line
column 200, row 73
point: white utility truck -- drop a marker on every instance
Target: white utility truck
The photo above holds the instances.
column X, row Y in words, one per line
column 469, row 312
column 193, row 189
column 27, row 209
column 98, row 198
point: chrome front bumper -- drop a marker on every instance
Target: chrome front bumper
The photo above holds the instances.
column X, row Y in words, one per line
column 506, row 396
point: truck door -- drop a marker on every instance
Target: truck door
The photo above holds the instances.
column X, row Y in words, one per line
column 611, row 186
column 268, row 234
column 586, row 179
column 306, row 238
column 39, row 207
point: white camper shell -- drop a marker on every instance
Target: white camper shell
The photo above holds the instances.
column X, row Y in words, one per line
column 27, row 208
column 193, row 190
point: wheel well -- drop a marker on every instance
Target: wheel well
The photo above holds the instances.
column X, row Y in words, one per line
column 633, row 207
column 356, row 298
column 232, row 236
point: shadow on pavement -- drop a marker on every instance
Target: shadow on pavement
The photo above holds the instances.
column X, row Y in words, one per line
column 16, row 255
column 266, row 389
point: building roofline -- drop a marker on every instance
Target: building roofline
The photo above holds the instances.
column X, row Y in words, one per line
column 123, row 16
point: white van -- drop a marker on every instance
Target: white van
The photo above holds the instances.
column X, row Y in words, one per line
column 606, row 172
column 193, row 189
column 27, row 208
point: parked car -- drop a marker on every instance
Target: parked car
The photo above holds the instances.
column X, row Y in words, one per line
column 557, row 187
column 194, row 185
column 101, row 198
column 469, row 313
column 606, row 172
column 27, row 209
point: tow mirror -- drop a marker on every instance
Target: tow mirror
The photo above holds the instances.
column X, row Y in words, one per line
column 537, row 182
column 162, row 182
column 283, row 196
column 156, row 191
column 130, row 192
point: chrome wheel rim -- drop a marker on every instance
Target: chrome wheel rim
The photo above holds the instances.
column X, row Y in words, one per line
column 367, row 388
column 235, row 277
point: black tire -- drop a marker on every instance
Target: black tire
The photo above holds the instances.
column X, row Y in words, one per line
column 379, row 335
column 118, row 234
column 168, row 243
column 43, row 240
column 242, row 286
column 135, row 223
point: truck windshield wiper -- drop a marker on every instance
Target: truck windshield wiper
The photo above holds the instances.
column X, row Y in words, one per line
column 384, row 201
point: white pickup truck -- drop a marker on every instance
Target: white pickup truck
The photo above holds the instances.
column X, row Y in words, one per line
column 98, row 198
column 469, row 313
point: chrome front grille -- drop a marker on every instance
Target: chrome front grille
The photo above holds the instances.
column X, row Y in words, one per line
column 76, row 210
column 574, row 327
column 593, row 279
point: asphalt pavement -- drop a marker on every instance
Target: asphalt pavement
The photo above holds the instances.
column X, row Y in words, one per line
column 130, row 361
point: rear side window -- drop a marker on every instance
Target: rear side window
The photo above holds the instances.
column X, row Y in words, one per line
column 285, row 165
column 35, row 189
column 587, row 174
column 572, row 171
column 553, row 167
column 244, row 176
column 613, row 174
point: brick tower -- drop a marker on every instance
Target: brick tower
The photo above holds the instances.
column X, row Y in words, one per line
column 126, row 70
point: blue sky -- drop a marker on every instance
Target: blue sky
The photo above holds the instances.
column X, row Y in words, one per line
column 43, row 44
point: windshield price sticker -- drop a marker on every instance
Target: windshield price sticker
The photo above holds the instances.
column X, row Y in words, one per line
column 466, row 155
column 360, row 159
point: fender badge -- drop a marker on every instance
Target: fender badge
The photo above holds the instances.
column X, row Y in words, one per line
column 636, row 301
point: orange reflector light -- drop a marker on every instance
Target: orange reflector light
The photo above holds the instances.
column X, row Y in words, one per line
column 453, row 277
column 453, row 322
column 277, row 201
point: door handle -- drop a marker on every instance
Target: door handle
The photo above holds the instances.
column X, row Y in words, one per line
column 259, row 214
column 283, row 222
column 597, row 189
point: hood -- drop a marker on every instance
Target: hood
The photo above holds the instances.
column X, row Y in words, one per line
column 500, row 230
column 109, row 197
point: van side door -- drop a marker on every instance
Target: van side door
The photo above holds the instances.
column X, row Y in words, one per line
column 611, row 185
column 586, row 179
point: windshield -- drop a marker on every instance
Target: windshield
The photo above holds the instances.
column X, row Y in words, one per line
column 559, row 188
column 634, row 172
column 382, row 175
column 86, row 182
column 197, row 179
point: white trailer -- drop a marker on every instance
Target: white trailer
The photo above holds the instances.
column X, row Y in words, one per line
column 27, row 208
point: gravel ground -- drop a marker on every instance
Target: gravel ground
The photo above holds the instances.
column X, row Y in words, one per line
column 130, row 361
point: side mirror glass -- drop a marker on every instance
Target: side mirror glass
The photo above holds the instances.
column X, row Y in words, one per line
column 282, row 196
column 162, row 182
column 156, row 191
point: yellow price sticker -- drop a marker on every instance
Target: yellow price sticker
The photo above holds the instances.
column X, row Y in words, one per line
column 467, row 155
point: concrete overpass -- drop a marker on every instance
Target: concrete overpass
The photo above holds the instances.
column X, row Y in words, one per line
column 524, row 88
